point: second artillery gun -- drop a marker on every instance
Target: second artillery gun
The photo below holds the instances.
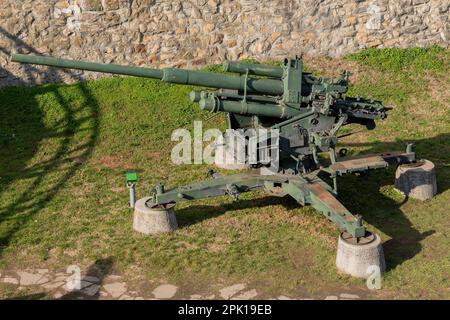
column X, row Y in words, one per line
column 306, row 111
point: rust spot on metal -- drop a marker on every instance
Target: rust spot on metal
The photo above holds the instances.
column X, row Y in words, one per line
column 370, row 161
column 374, row 161
column 329, row 200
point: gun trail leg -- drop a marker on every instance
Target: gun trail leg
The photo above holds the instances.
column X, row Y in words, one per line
column 359, row 251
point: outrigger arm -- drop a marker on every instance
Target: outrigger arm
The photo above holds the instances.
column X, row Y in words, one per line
column 305, row 189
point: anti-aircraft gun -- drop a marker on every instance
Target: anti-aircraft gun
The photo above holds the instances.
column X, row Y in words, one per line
column 305, row 112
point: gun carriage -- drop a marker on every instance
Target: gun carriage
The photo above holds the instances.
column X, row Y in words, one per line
column 306, row 112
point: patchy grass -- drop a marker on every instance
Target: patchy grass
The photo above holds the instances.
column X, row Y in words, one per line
column 64, row 150
column 406, row 61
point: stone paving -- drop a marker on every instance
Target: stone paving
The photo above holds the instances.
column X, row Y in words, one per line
column 57, row 286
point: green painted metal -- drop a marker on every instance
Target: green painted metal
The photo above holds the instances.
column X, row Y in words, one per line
column 304, row 190
column 131, row 177
column 212, row 103
column 307, row 111
column 170, row 75
column 292, row 83
column 90, row 66
column 253, row 69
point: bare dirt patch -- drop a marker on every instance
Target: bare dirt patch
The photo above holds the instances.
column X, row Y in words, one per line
column 154, row 155
column 115, row 162
column 333, row 67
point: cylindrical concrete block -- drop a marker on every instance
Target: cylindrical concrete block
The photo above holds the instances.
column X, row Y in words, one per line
column 417, row 180
column 360, row 259
column 154, row 220
column 228, row 157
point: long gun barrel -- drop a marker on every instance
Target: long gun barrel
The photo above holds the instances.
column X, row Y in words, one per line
column 307, row 110
column 253, row 69
column 170, row 75
column 286, row 93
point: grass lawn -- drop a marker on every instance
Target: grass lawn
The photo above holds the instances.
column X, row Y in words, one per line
column 64, row 150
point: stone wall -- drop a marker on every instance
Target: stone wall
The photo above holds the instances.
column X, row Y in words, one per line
column 195, row 32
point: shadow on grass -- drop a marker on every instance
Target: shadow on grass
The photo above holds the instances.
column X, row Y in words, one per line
column 197, row 213
column 383, row 213
column 362, row 195
column 22, row 131
column 435, row 149
column 34, row 296
column 99, row 269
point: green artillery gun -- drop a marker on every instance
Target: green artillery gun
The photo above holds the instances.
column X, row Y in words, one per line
column 306, row 113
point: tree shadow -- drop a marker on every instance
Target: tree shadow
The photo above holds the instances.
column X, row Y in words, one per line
column 23, row 130
column 31, row 75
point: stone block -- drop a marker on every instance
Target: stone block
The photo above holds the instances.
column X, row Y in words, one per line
column 111, row 4
column 359, row 259
column 154, row 220
column 417, row 180
column 91, row 5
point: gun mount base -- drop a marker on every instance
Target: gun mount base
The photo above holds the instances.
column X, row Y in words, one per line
column 305, row 190
column 417, row 180
column 154, row 219
column 359, row 253
column 360, row 257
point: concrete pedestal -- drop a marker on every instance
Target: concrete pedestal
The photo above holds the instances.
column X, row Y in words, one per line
column 417, row 180
column 359, row 259
column 154, row 220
